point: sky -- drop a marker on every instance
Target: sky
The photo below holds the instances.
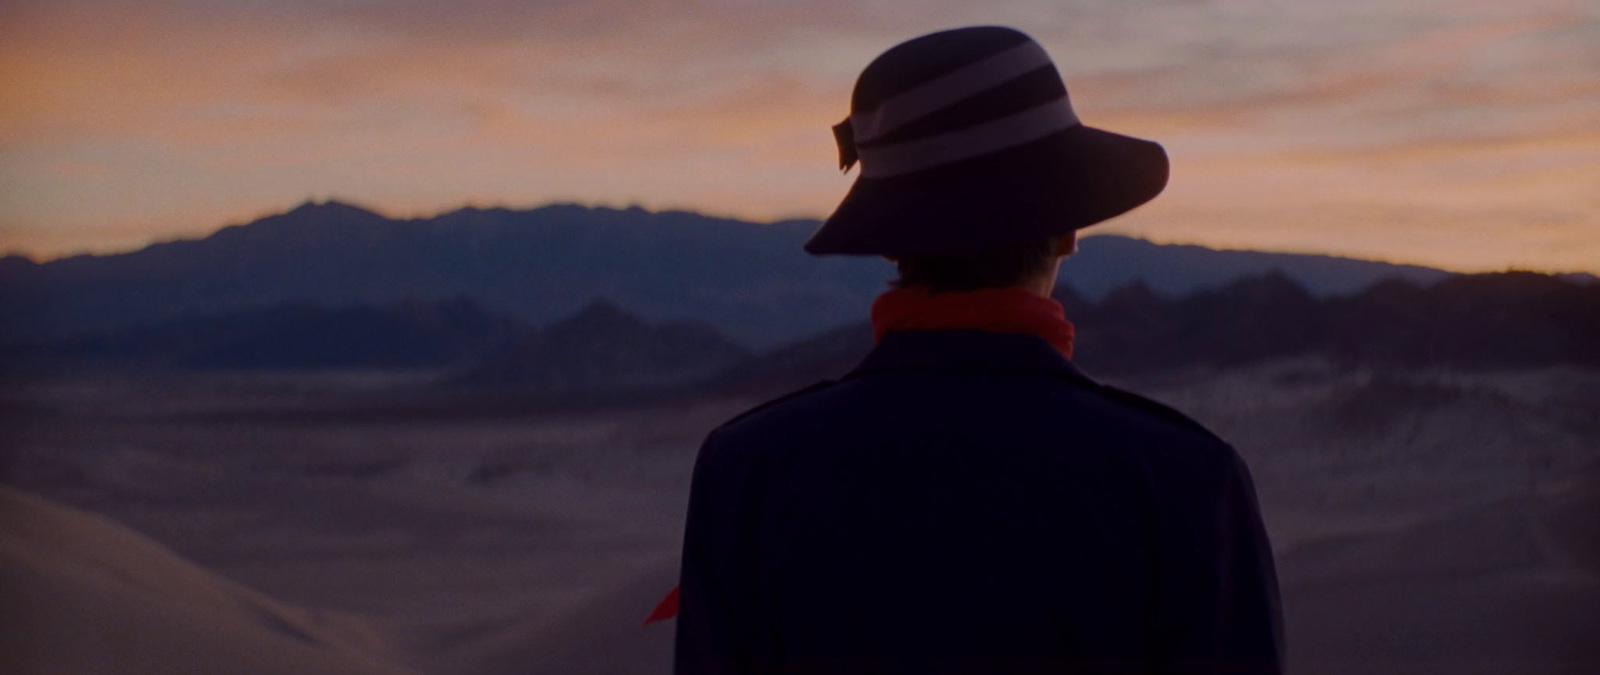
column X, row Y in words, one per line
column 1462, row 134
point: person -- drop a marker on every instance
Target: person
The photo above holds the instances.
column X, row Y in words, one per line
column 966, row 500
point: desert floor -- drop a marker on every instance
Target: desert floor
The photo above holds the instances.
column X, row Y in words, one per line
column 1423, row 523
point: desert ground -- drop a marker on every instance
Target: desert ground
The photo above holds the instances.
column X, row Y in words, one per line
column 273, row 523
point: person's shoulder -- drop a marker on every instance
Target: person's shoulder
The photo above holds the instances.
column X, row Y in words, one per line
column 772, row 411
column 776, row 404
column 1161, row 428
column 1157, row 412
column 746, row 441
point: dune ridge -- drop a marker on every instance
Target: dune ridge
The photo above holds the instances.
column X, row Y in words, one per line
column 82, row 594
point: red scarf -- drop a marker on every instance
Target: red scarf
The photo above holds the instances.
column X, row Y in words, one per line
column 995, row 310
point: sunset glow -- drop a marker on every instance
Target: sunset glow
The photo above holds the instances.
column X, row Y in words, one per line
column 1463, row 134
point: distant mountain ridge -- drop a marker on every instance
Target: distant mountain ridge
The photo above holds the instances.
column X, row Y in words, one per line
column 601, row 349
column 1109, row 262
column 409, row 334
column 606, row 348
column 751, row 281
column 1465, row 323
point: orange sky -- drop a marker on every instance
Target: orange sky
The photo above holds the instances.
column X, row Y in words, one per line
column 1463, row 134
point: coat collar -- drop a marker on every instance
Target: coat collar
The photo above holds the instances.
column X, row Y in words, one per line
column 967, row 349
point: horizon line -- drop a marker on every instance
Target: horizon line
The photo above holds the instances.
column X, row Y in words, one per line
column 311, row 201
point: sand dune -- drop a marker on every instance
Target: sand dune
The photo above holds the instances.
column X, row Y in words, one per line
column 603, row 636
column 81, row 594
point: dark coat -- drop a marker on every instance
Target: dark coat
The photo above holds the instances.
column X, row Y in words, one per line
column 970, row 502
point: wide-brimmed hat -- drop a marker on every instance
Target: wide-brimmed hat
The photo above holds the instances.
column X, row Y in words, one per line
column 967, row 141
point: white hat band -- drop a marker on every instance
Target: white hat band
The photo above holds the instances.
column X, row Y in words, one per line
column 926, row 153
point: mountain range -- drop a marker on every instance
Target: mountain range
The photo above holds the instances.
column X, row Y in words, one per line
column 750, row 281
column 604, row 347
column 1464, row 323
column 455, row 333
column 569, row 299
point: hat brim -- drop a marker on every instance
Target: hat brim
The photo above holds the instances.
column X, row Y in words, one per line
column 1064, row 182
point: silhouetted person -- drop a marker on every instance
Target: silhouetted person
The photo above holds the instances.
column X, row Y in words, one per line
column 966, row 501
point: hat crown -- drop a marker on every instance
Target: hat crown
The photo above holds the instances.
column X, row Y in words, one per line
column 921, row 59
column 950, row 96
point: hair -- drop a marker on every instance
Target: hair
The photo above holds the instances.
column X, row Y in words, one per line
column 975, row 270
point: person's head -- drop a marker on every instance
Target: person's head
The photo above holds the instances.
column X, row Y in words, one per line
column 1032, row 265
column 973, row 165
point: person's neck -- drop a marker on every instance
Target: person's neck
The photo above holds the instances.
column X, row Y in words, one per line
column 1044, row 286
